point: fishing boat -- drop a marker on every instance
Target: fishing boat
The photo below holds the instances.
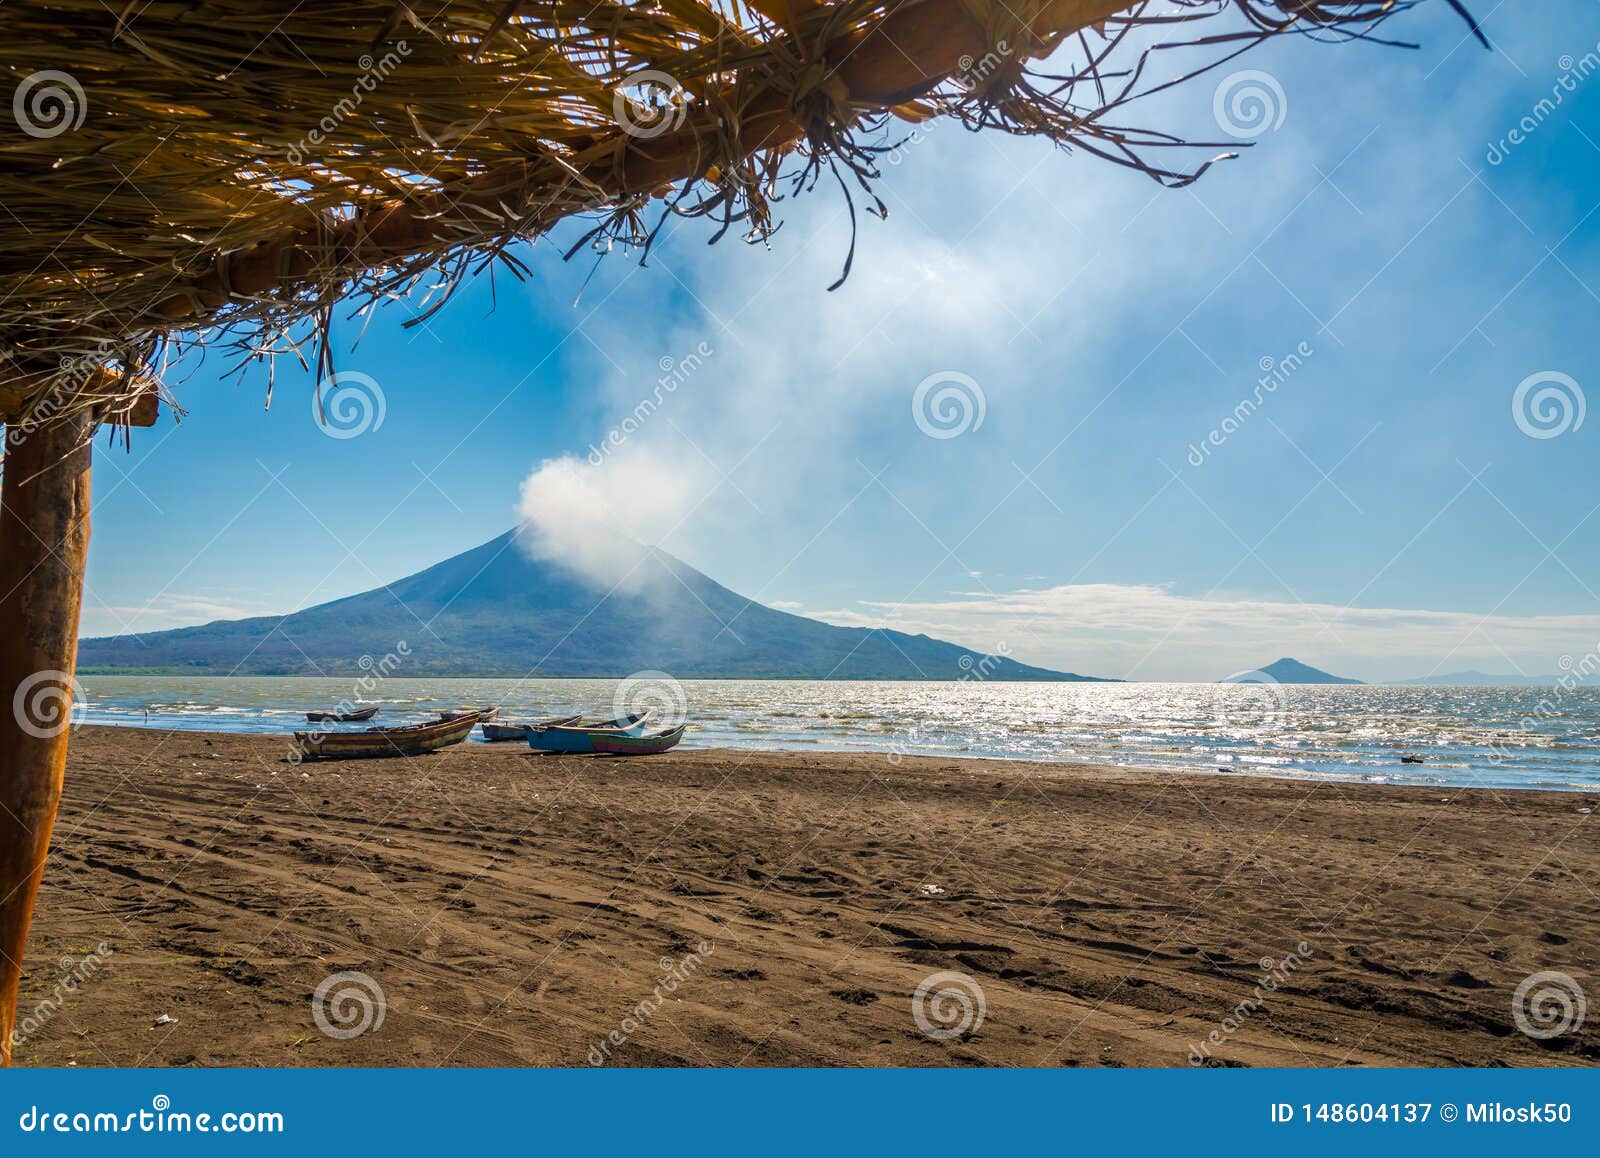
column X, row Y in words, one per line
column 636, row 721
column 371, row 743
column 518, row 729
column 479, row 714
column 608, row 744
column 579, row 737
column 342, row 717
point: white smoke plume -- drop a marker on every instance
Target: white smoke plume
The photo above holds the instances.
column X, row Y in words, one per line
column 597, row 520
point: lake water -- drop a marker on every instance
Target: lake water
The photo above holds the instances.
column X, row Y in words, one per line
column 1502, row 737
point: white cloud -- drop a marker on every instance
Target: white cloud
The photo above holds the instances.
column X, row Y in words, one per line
column 168, row 610
column 1149, row 632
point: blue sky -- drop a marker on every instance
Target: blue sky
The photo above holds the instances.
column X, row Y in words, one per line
column 1381, row 513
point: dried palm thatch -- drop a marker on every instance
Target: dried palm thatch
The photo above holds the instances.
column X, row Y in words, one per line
column 208, row 170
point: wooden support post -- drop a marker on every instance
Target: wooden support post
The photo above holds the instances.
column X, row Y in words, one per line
column 44, row 542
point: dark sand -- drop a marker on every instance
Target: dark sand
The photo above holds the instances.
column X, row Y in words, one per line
column 516, row 909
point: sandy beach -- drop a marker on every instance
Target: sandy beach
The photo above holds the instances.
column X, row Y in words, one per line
column 525, row 910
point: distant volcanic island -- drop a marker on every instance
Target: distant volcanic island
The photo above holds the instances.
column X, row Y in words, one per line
column 1286, row 671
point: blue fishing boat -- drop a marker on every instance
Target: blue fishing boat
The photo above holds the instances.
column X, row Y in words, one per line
column 580, row 737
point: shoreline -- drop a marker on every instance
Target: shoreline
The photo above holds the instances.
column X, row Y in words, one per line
column 1250, row 772
column 519, row 910
column 1352, row 734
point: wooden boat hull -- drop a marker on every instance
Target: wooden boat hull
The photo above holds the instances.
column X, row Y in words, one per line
column 479, row 714
column 641, row 745
column 342, row 717
column 377, row 743
column 579, row 738
column 497, row 733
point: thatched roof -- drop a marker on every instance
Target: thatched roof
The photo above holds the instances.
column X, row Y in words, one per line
column 197, row 169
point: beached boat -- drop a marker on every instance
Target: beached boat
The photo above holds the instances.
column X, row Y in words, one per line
column 342, row 717
column 579, row 737
column 371, row 743
column 636, row 722
column 619, row 744
column 479, row 714
column 518, row 729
